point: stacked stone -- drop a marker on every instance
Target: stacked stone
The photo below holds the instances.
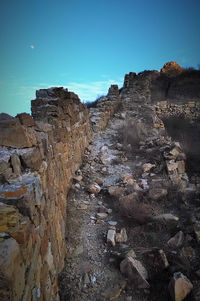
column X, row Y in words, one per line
column 190, row 110
column 175, row 161
column 129, row 80
column 137, row 87
column 38, row 157
column 106, row 107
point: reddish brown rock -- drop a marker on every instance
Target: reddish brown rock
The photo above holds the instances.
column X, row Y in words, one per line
column 32, row 159
column 26, row 119
column 9, row 217
column 172, row 68
column 13, row 134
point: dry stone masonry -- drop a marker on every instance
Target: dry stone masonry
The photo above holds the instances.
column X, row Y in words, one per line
column 39, row 156
column 106, row 107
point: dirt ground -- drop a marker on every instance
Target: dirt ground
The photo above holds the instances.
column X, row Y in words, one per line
column 92, row 268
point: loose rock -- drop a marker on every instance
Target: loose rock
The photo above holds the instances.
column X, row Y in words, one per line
column 122, row 236
column 135, row 272
column 111, row 237
column 177, row 240
column 179, row 287
column 94, row 188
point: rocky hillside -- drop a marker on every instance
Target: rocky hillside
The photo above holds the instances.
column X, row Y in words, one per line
column 98, row 205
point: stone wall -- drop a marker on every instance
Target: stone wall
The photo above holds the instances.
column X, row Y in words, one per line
column 38, row 157
column 190, row 109
column 106, row 107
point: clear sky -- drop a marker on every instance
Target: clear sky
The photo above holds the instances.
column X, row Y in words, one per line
column 86, row 45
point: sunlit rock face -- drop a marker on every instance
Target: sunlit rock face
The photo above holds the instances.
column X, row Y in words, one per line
column 176, row 84
column 38, row 157
column 171, row 69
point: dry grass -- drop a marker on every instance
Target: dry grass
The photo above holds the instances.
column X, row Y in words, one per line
column 134, row 207
column 129, row 135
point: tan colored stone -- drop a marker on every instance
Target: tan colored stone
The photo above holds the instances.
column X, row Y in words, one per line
column 9, row 217
column 83, row 207
column 175, row 152
column 179, row 287
column 127, row 179
column 16, row 164
column 21, row 231
column 94, row 188
column 116, row 291
column 32, row 159
column 148, row 166
column 115, row 190
column 13, row 134
column 26, row 119
column 122, row 236
column 171, row 166
column 135, row 272
column 181, row 167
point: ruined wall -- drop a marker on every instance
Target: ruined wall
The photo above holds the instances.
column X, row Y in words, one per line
column 190, row 110
column 106, row 107
column 173, row 87
column 38, row 157
column 146, row 118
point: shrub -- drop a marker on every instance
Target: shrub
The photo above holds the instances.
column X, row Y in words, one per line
column 91, row 104
column 129, row 135
column 134, row 208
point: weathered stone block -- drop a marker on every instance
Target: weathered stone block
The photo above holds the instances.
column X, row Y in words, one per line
column 32, row 159
column 9, row 217
column 13, row 134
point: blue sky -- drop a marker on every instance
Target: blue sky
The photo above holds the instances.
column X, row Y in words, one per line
column 88, row 45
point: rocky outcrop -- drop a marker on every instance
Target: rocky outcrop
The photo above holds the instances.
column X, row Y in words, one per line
column 38, row 157
column 172, row 69
column 173, row 84
column 176, row 85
